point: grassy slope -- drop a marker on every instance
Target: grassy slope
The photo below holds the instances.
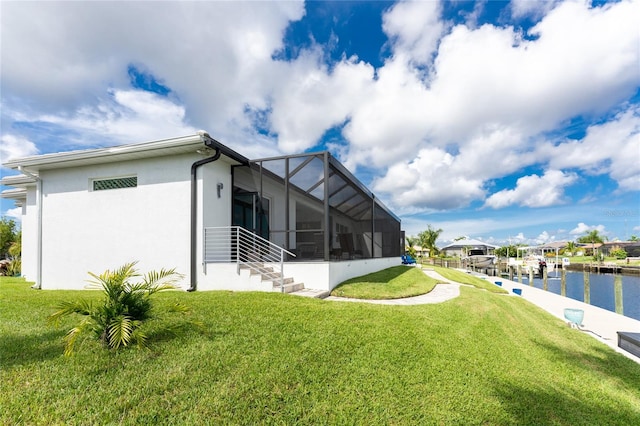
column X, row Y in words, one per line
column 391, row 283
column 469, row 279
column 270, row 358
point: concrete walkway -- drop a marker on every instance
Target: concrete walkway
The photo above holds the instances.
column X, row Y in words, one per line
column 440, row 293
column 599, row 323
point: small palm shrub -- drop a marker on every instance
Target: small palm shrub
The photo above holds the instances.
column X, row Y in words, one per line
column 121, row 317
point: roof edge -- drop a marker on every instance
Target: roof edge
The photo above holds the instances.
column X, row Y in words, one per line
column 58, row 157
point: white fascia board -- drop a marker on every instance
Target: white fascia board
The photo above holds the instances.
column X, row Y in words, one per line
column 14, row 194
column 19, row 181
column 106, row 155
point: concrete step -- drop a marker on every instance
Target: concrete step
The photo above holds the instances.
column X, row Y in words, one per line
column 309, row 292
column 289, row 288
column 275, row 277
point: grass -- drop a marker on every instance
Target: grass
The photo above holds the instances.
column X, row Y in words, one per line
column 391, row 283
column 278, row 359
column 464, row 278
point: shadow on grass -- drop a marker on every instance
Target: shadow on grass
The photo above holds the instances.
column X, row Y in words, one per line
column 599, row 358
column 566, row 404
column 22, row 350
column 546, row 406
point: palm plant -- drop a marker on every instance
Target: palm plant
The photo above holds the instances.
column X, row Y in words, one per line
column 411, row 242
column 593, row 237
column 119, row 319
column 428, row 239
column 571, row 248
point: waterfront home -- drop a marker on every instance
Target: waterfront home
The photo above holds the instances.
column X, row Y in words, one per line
column 221, row 219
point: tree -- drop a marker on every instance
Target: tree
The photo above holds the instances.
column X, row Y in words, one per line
column 7, row 235
column 123, row 315
column 571, row 248
column 592, row 237
column 428, row 239
column 634, row 238
column 411, row 242
column 507, row 251
column 14, row 266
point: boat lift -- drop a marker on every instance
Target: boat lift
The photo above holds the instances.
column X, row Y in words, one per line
column 539, row 253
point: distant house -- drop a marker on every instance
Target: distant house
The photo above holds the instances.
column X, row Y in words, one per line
column 631, row 247
column 462, row 247
column 421, row 251
column 588, row 249
column 221, row 219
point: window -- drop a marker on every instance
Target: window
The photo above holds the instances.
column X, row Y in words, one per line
column 115, row 183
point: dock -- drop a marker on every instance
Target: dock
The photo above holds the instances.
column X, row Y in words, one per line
column 604, row 268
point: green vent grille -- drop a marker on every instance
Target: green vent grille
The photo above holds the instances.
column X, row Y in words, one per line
column 116, row 183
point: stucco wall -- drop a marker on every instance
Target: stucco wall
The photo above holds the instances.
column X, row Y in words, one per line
column 86, row 230
column 29, row 228
column 327, row 275
column 314, row 275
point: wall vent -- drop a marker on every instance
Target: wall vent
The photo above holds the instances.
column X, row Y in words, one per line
column 115, row 183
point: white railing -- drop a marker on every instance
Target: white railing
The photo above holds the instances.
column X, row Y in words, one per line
column 235, row 244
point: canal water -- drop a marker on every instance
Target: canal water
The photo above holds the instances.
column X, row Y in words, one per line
column 601, row 290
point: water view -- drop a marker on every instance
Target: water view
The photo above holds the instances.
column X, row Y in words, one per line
column 601, row 290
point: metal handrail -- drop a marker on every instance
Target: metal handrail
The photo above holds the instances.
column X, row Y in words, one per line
column 236, row 244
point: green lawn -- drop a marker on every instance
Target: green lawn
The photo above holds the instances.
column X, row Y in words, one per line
column 391, row 283
column 465, row 278
column 480, row 358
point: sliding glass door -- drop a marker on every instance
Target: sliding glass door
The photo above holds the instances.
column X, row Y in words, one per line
column 251, row 212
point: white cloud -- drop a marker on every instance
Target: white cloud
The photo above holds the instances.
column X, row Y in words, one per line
column 127, row 116
column 544, row 238
column 535, row 9
column 15, row 213
column 451, row 229
column 534, row 191
column 314, row 99
column 583, row 228
column 450, row 110
column 58, row 57
column 611, row 148
column 518, row 238
column 488, row 98
column 15, row 147
column 430, row 181
column 415, row 28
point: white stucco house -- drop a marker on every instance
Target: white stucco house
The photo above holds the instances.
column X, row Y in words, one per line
column 223, row 220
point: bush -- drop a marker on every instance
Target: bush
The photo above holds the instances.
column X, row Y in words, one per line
column 618, row 253
column 120, row 318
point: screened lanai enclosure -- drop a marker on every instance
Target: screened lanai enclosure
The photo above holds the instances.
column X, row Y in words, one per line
column 312, row 206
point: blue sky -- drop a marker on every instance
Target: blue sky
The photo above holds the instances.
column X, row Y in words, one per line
column 503, row 121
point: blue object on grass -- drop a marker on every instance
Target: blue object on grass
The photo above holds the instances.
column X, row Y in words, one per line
column 408, row 260
column 518, row 291
column 498, row 283
column 574, row 316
